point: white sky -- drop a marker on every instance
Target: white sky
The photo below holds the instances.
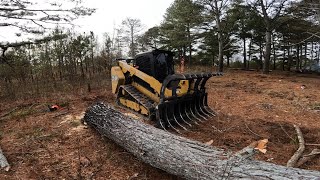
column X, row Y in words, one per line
column 109, row 15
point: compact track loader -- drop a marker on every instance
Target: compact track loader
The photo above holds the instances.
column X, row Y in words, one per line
column 148, row 85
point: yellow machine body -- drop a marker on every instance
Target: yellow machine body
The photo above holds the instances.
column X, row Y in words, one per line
column 117, row 78
column 167, row 97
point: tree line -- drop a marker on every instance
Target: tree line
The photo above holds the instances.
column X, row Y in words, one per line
column 266, row 34
column 271, row 34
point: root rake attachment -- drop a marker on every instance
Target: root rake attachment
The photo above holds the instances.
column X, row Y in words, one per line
column 192, row 108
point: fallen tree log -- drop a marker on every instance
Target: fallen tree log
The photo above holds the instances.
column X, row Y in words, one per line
column 181, row 156
column 4, row 162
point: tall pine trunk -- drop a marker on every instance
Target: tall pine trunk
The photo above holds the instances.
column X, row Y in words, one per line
column 250, row 53
column 228, row 61
column 298, row 57
column 244, row 54
column 289, row 58
column 220, row 36
column 266, row 64
column 274, row 56
column 190, row 44
column 283, row 60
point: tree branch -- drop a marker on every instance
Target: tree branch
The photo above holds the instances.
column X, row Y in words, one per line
column 35, row 10
column 294, row 159
column 23, row 28
column 279, row 10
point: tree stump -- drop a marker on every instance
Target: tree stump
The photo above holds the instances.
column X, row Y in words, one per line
column 181, row 156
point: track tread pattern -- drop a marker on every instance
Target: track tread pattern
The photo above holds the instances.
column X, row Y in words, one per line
column 138, row 96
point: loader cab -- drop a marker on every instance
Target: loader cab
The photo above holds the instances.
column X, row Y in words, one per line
column 157, row 63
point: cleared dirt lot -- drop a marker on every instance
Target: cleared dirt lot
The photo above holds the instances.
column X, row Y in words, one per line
column 250, row 106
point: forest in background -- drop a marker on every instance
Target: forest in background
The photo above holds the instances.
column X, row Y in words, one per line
column 258, row 34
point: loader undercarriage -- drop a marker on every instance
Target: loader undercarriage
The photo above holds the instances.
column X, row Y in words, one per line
column 130, row 97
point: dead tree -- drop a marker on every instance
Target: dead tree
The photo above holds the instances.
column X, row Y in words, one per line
column 180, row 156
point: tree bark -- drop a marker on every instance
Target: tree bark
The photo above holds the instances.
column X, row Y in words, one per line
column 267, row 21
column 228, row 61
column 296, row 156
column 180, row 156
column 289, row 59
column 244, row 54
column 266, row 64
column 190, row 44
column 250, row 53
column 308, row 157
column 298, row 58
column 311, row 51
column 305, row 54
column 301, row 57
column 3, row 161
column 283, row 60
column 132, row 42
column 220, row 35
column 274, row 56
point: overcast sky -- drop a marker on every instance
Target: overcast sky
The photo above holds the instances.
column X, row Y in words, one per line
column 109, row 15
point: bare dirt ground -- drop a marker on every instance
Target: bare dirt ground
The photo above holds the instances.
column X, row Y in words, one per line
column 250, row 106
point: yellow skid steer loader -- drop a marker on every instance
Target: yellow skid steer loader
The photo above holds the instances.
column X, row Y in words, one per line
column 148, row 85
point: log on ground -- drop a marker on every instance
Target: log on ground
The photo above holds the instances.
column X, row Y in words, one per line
column 3, row 161
column 181, row 156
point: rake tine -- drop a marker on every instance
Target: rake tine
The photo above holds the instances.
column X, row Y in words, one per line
column 206, row 108
column 162, row 125
column 208, row 111
column 211, row 111
column 199, row 78
column 199, row 114
column 204, row 100
column 198, row 106
column 197, row 111
column 184, row 114
column 201, row 106
column 180, row 115
column 194, row 111
column 168, row 121
column 176, row 120
column 189, row 109
column 190, row 118
column 159, row 115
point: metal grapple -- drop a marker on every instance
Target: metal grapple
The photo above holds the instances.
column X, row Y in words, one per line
column 190, row 108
